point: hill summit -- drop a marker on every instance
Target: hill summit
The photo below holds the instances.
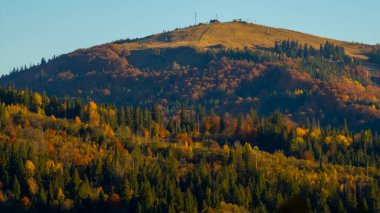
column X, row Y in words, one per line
column 237, row 34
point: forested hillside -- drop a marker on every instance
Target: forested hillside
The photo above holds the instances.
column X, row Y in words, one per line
column 301, row 80
column 71, row 156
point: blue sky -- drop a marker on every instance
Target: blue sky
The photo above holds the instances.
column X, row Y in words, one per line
column 30, row 30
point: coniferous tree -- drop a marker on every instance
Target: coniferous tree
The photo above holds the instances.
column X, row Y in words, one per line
column 16, row 189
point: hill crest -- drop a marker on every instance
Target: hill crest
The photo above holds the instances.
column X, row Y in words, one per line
column 236, row 35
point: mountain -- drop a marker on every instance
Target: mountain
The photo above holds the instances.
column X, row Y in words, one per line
column 232, row 67
column 210, row 118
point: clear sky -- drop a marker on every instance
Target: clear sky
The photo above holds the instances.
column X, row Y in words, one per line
column 32, row 29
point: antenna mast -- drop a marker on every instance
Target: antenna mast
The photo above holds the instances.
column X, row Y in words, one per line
column 195, row 18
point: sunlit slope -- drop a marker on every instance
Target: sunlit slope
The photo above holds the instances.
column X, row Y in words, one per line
column 236, row 35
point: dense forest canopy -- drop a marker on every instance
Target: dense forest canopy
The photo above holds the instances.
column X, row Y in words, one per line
column 67, row 156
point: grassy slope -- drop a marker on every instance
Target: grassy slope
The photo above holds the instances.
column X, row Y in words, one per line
column 236, row 35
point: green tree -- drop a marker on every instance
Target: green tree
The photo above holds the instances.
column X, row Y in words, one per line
column 42, row 196
column 3, row 120
column 16, row 189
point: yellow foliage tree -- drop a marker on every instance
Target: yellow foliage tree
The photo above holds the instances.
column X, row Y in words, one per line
column 184, row 138
column 30, row 168
column 77, row 120
column 301, row 132
column 328, row 139
column 315, row 133
column 94, row 117
column 298, row 92
column 37, row 99
column 297, row 143
column 109, row 131
column 32, row 185
column 343, row 139
column 345, row 98
column 226, row 148
column 37, row 102
column 60, row 194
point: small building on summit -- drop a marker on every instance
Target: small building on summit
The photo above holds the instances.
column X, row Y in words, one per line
column 239, row 21
column 214, row 21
